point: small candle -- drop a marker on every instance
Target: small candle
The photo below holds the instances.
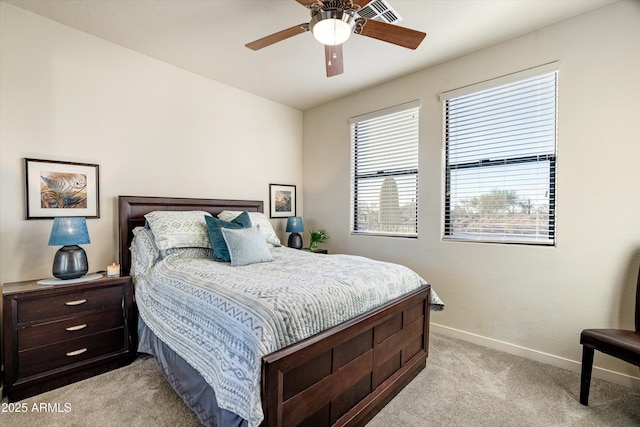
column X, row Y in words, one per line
column 113, row 270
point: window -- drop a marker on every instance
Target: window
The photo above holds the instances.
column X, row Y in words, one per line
column 384, row 186
column 500, row 159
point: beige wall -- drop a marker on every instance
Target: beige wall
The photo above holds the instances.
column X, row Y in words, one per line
column 524, row 299
column 153, row 129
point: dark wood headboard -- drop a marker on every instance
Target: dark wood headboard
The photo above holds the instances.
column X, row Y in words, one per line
column 131, row 211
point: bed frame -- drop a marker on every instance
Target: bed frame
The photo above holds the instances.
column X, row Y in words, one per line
column 342, row 376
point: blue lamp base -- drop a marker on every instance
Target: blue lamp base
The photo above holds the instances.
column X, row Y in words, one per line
column 295, row 241
column 70, row 262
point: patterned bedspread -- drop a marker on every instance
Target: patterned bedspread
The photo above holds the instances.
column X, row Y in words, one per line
column 223, row 319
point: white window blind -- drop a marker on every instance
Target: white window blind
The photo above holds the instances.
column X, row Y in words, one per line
column 500, row 155
column 384, row 186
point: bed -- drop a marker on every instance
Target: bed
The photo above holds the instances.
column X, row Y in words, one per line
column 341, row 375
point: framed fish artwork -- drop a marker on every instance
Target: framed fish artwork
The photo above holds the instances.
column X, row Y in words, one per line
column 55, row 188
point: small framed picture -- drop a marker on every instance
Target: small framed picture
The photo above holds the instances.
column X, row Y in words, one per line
column 282, row 200
column 54, row 188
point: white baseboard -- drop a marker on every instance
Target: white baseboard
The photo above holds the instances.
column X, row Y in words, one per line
column 538, row 356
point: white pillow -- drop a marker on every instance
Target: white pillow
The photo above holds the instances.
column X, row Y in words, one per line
column 258, row 219
column 246, row 246
column 179, row 229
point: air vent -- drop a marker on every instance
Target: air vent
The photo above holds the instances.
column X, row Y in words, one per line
column 381, row 11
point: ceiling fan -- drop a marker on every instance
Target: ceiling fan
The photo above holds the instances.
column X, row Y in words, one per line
column 333, row 21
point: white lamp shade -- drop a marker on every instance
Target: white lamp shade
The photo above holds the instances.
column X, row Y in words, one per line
column 331, row 27
column 331, row 32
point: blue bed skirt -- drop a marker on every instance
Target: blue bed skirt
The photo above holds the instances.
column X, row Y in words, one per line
column 186, row 381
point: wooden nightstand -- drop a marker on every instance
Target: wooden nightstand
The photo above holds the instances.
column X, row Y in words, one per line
column 56, row 335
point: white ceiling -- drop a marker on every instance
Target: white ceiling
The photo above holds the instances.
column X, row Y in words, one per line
column 207, row 37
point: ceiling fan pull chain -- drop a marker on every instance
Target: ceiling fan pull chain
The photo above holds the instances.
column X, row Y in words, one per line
column 333, row 56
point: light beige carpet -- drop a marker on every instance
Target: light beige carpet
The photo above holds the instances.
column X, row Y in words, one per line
column 463, row 385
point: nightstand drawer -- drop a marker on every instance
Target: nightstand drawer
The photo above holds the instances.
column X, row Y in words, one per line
column 41, row 359
column 71, row 303
column 66, row 329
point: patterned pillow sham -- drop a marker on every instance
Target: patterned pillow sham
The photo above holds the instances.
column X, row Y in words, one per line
column 179, row 229
column 246, row 246
column 258, row 219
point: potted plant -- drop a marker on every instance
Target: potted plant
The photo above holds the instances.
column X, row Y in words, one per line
column 317, row 236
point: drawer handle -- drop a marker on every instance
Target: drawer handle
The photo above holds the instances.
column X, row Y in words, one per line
column 77, row 352
column 76, row 302
column 76, row 328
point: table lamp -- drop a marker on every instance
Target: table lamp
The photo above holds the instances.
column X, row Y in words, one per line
column 295, row 227
column 70, row 261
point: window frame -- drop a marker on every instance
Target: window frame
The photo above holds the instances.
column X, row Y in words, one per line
column 355, row 177
column 448, row 233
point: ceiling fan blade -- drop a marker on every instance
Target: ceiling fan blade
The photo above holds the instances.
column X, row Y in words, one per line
column 362, row 3
column 333, row 59
column 395, row 34
column 277, row 37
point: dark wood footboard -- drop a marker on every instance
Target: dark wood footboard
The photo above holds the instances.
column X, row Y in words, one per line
column 345, row 375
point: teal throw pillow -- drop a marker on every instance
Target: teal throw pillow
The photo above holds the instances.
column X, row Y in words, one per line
column 215, row 225
column 246, row 246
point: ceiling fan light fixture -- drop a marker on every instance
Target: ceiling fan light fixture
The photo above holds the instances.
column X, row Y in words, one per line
column 332, row 27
